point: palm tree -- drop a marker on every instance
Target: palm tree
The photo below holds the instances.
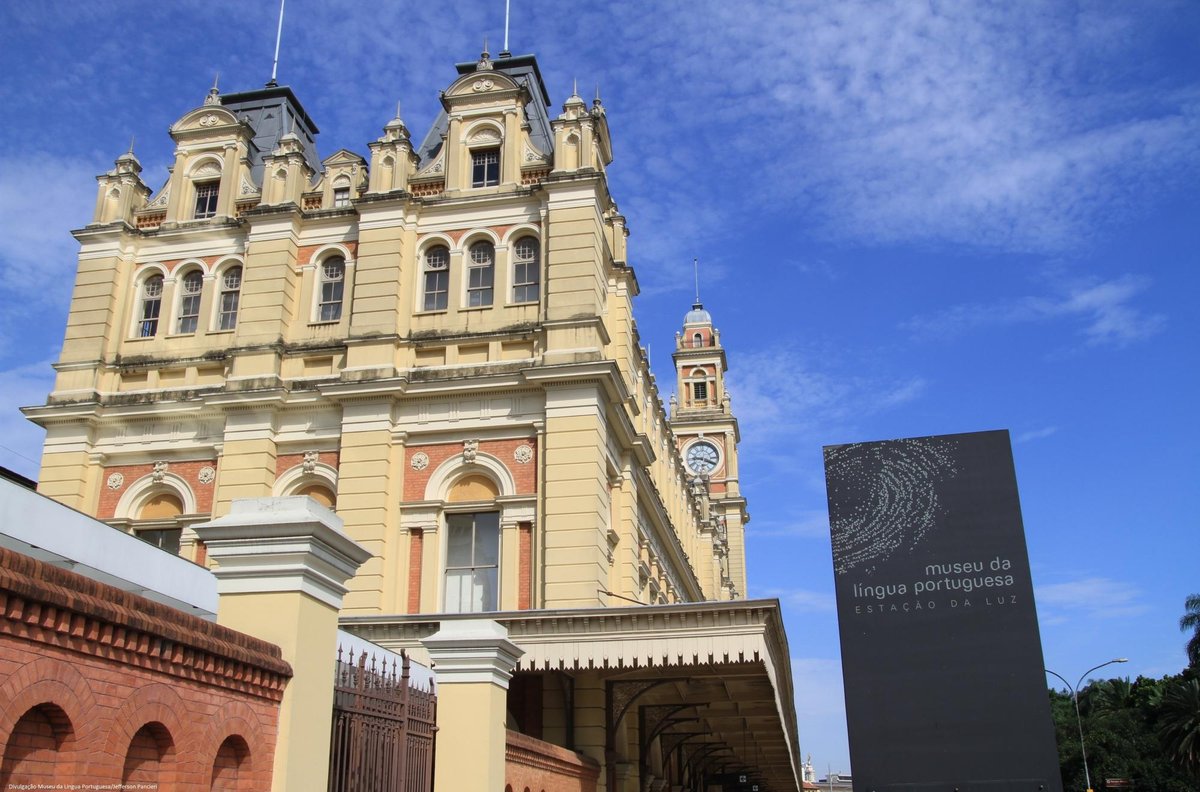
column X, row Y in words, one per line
column 1179, row 723
column 1191, row 621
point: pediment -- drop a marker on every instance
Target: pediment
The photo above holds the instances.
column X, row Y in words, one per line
column 343, row 157
column 207, row 117
column 482, row 82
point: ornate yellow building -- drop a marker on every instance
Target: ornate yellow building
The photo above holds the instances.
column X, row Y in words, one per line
column 436, row 341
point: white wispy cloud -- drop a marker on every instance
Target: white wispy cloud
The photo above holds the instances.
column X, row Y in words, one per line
column 1091, row 597
column 1102, row 311
column 806, row 523
column 782, row 395
column 1035, row 434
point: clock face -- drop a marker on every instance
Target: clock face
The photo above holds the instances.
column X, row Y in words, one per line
column 702, row 457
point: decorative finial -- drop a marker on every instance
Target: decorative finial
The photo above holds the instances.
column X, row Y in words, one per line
column 213, row 97
column 575, row 87
column 397, row 108
column 485, row 62
column 131, row 139
column 696, row 269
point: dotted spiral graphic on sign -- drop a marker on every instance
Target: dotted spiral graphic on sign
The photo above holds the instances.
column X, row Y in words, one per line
column 884, row 497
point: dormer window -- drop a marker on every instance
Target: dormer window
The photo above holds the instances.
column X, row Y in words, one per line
column 485, row 167
column 206, row 200
column 341, row 197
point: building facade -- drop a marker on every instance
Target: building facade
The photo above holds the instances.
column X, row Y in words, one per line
column 437, row 341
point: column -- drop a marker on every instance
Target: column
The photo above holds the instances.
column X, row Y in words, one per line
column 282, row 566
column 474, row 660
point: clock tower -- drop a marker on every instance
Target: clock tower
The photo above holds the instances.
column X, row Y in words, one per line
column 706, row 432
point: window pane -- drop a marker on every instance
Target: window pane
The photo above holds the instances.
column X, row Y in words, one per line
column 487, row 538
column 485, row 590
column 437, row 289
column 485, row 167
column 458, row 591
column 458, row 540
column 229, row 309
column 206, row 200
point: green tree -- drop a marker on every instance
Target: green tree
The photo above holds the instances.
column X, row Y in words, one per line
column 1179, row 723
column 1191, row 621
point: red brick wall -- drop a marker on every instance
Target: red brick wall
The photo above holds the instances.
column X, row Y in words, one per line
column 525, row 567
column 536, row 765
column 304, row 253
column 416, row 545
column 285, row 462
column 188, row 471
column 524, row 475
column 109, row 687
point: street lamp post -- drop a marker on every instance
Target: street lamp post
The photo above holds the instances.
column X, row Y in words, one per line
column 1078, row 719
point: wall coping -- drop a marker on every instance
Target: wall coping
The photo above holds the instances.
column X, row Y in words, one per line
column 44, row 603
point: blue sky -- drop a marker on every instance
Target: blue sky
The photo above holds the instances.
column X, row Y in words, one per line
column 912, row 218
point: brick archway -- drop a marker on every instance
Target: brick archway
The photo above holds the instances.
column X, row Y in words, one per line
column 237, row 720
column 147, row 706
column 53, row 682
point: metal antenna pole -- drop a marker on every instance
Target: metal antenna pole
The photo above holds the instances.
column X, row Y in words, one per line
column 696, row 268
column 506, row 3
column 278, row 38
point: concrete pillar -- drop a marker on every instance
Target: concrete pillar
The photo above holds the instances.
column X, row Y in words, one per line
column 282, row 566
column 473, row 660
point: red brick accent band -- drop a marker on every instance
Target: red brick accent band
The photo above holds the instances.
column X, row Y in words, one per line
column 416, row 545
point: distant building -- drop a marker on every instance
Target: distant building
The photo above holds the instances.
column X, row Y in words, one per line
column 437, row 342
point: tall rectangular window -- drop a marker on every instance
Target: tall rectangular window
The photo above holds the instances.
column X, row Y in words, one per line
column 152, row 291
column 206, row 200
column 189, row 301
column 699, row 392
column 231, row 289
column 485, row 167
column 333, row 283
column 341, row 197
column 472, row 562
column 481, row 275
column 526, row 272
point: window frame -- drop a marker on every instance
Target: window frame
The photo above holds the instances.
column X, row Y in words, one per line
column 224, row 291
column 187, row 322
column 485, row 172
column 341, row 196
column 480, row 280
column 527, row 272
column 330, row 302
column 435, row 279
column 202, row 190
column 476, row 563
column 147, row 325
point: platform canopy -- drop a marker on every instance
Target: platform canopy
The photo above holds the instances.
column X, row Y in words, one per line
column 711, row 681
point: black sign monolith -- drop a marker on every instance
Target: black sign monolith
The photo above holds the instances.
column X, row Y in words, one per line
column 941, row 656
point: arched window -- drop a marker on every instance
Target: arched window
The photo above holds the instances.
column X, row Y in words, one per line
column 320, row 493
column 697, row 340
column 231, row 290
column 481, row 275
column 152, row 289
column 437, row 278
column 158, row 516
column 526, row 272
column 189, row 301
column 333, row 282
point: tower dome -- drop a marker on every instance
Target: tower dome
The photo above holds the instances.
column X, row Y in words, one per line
column 697, row 315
